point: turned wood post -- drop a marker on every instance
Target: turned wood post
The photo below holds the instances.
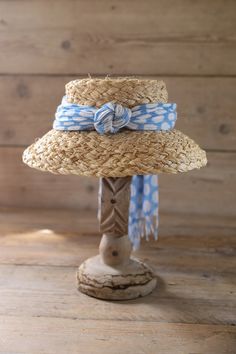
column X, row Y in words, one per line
column 113, row 215
column 113, row 275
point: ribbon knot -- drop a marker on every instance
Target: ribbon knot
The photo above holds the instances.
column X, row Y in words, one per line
column 111, row 117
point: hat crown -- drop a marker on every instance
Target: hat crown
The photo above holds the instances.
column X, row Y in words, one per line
column 128, row 92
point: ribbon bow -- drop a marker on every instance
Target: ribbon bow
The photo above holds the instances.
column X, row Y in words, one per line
column 111, row 117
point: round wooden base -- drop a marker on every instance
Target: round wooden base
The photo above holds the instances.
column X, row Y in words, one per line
column 123, row 282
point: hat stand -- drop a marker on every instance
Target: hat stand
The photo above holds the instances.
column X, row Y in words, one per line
column 113, row 274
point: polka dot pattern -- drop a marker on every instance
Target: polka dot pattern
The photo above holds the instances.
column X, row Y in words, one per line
column 143, row 210
column 112, row 117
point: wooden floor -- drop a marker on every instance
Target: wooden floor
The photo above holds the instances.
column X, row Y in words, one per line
column 192, row 311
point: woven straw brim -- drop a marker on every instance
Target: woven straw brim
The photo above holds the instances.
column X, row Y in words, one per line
column 115, row 155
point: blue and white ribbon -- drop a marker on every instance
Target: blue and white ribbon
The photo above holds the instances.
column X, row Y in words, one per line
column 111, row 118
column 143, row 208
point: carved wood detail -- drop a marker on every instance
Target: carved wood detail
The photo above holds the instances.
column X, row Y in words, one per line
column 113, row 210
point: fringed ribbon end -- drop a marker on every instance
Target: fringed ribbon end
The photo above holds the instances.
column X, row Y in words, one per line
column 143, row 213
column 143, row 228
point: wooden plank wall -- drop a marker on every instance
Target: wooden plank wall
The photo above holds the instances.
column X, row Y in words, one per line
column 189, row 44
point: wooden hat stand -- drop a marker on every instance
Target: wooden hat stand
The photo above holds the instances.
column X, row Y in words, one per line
column 113, row 274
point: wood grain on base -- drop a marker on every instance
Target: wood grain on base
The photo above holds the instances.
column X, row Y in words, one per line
column 121, row 282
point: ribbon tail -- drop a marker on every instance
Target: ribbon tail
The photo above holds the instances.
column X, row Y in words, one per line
column 143, row 211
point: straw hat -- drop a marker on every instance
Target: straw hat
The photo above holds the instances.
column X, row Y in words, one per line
column 126, row 153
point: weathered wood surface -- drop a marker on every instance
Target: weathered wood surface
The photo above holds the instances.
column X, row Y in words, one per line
column 148, row 37
column 191, row 311
column 91, row 336
column 115, row 281
column 215, row 19
column 174, row 301
column 209, row 191
column 72, row 220
column 206, row 108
